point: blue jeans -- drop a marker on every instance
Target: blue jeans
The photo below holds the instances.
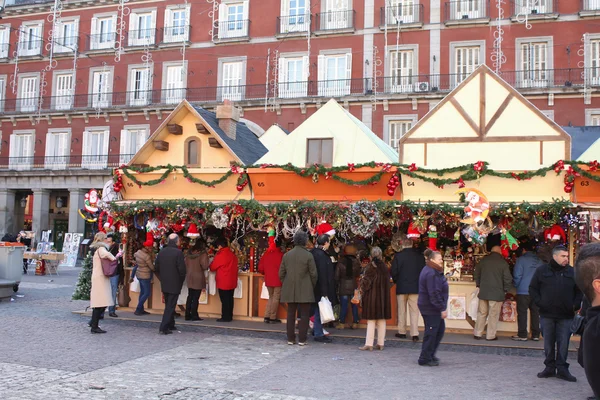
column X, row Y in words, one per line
column 318, row 326
column 344, row 300
column 114, row 285
column 145, row 288
column 557, row 334
column 435, row 326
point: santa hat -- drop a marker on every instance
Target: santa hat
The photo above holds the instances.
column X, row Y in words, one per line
column 149, row 240
column 193, row 231
column 109, row 224
column 325, row 229
column 413, row 232
column 555, row 233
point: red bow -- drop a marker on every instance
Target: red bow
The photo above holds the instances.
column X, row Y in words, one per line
column 412, row 167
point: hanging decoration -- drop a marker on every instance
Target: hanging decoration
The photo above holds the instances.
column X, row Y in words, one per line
column 363, row 218
column 122, row 12
column 478, row 206
column 498, row 58
column 433, row 237
column 219, row 219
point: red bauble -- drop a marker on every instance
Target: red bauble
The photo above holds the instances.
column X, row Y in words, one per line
column 568, row 188
column 239, row 188
column 391, row 192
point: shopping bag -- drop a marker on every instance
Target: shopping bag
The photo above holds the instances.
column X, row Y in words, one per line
column 135, row 285
column 203, row 297
column 357, row 297
column 123, row 298
column 473, row 304
column 237, row 293
column 183, row 295
column 264, row 293
column 212, row 283
column 509, row 311
column 326, row 311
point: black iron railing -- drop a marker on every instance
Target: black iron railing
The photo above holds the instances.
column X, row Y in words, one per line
column 4, row 50
column 141, row 37
column 233, row 29
column 71, row 161
column 101, row 41
column 401, row 14
column 28, row 48
column 293, row 23
column 67, row 44
column 335, row 20
column 176, row 34
column 533, row 7
column 464, row 10
column 589, row 5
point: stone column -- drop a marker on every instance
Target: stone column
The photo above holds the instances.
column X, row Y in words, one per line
column 76, row 223
column 41, row 212
column 7, row 212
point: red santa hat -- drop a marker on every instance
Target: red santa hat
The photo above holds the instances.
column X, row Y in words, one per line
column 149, row 240
column 555, row 233
column 413, row 232
column 325, row 229
column 109, row 224
column 192, row 231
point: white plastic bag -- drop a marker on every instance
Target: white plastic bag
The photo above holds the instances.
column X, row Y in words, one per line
column 473, row 304
column 237, row 293
column 212, row 283
column 264, row 293
column 326, row 311
column 135, row 285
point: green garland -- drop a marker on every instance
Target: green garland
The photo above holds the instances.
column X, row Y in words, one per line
column 169, row 169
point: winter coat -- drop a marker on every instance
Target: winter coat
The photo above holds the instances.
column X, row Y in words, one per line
column 326, row 276
column 170, row 269
column 433, row 291
column 101, row 292
column 347, row 284
column 269, row 265
column 493, row 278
column 298, row 274
column 591, row 349
column 406, row 268
column 225, row 264
column 375, row 289
column 525, row 267
column 195, row 265
column 145, row 263
column 555, row 292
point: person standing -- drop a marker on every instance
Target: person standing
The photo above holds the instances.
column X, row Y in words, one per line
column 525, row 267
column 558, row 297
column 346, row 275
column 170, row 269
column 269, row 266
column 377, row 307
column 196, row 264
column 144, row 260
column 406, row 268
column 325, row 284
column 113, row 248
column 433, row 302
column 225, row 264
column 100, row 293
column 587, row 275
column 493, row 278
column 298, row 274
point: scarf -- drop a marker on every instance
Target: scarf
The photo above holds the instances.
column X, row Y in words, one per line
column 435, row 266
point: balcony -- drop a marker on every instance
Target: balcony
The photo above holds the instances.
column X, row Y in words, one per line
column 534, row 9
column 9, row 3
column 293, row 25
column 4, row 51
column 335, row 22
column 176, row 34
column 30, row 48
column 141, row 38
column 101, row 41
column 403, row 16
column 464, row 12
column 231, row 31
column 71, row 161
column 66, row 45
column 589, row 8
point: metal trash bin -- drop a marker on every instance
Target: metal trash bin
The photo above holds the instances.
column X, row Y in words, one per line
column 11, row 262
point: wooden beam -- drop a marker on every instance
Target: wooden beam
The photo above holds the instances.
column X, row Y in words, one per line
column 161, row 145
column 464, row 114
column 425, row 154
column 212, row 142
column 140, row 165
column 489, row 139
column 482, row 103
column 498, row 113
column 175, row 129
column 202, row 129
column 542, row 152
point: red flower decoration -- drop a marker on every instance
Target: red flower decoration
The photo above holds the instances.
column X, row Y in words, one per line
column 328, row 174
column 351, row 167
column 461, row 183
column 559, row 166
column 412, row 167
column 387, row 167
column 594, row 165
column 478, row 166
column 264, row 165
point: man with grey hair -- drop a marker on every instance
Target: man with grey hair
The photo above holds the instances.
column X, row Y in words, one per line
column 170, row 269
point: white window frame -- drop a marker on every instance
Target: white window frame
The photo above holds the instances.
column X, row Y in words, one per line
column 291, row 89
column 34, row 48
column 29, row 103
column 232, row 92
column 336, row 15
column 22, row 161
column 458, row 76
column 296, row 22
column 96, row 35
column 592, row 116
column 125, row 152
column 534, row 78
column 591, row 57
column 467, row 9
column 339, row 86
column 529, row 6
column 173, row 34
column 591, row 5
column 145, row 36
column 95, row 161
column 173, row 95
column 62, row 101
column 61, row 44
column 143, row 96
column 52, row 160
column 402, row 12
column 236, row 28
column 408, row 83
column 4, row 40
column 3, row 79
column 388, row 120
column 101, row 99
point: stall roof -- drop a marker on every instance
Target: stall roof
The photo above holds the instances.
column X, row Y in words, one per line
column 585, row 142
column 273, row 136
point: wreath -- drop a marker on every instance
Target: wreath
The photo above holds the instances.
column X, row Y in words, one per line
column 363, row 219
column 219, row 218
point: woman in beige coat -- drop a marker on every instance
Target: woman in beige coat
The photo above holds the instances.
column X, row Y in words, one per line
column 101, row 293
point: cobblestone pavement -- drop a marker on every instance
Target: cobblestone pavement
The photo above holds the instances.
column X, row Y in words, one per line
column 46, row 352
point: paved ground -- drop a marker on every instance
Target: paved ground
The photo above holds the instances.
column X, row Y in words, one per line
column 47, row 352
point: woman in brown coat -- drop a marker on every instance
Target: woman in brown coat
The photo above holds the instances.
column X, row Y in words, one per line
column 375, row 289
column 144, row 259
column 196, row 263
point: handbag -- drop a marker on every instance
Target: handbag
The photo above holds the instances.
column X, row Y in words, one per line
column 109, row 267
column 123, row 298
column 578, row 325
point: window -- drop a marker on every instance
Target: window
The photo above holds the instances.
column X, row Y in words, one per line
column 533, row 6
column 174, row 83
column 467, row 9
column 402, row 71
column 401, row 12
column 591, row 5
column 534, row 64
column 595, row 120
column 21, row 150
column 337, row 15
column 192, row 152
column 28, row 93
column 66, row 40
column 142, row 28
column 95, row 148
column 233, row 20
column 63, row 91
column 592, row 117
column 101, row 88
column 177, row 24
column 30, row 43
column 335, row 74
column 232, row 80
column 57, row 149
column 132, row 140
column 466, row 60
column 594, row 61
column 140, row 86
column 103, row 32
column 397, row 129
column 4, row 41
column 294, row 16
column 319, row 151
column 2, row 91
column 293, row 76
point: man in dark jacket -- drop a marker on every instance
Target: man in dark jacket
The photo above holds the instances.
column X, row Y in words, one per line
column 493, row 278
column 556, row 294
column 587, row 274
column 325, row 283
column 170, row 269
column 406, row 268
column 525, row 267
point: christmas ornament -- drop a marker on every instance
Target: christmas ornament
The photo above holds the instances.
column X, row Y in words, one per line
column 315, row 178
column 219, row 219
column 420, row 221
column 90, row 204
column 192, row 231
column 413, row 232
column 559, row 166
column 363, row 218
column 432, row 234
column 478, row 166
column 555, row 233
column 149, row 240
column 325, row 229
column 412, row 167
column 478, row 208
